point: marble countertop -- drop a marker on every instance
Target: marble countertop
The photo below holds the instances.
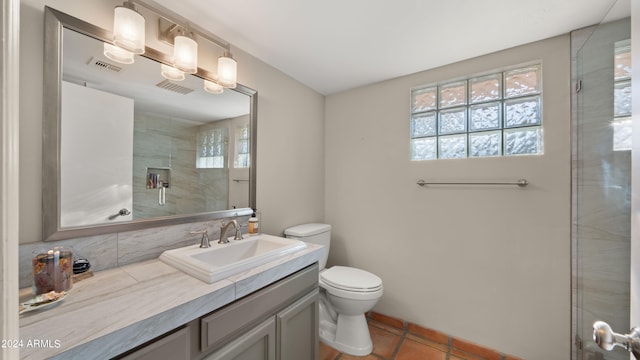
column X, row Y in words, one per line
column 121, row 308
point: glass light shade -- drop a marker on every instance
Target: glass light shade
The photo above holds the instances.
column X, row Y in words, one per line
column 185, row 54
column 171, row 73
column 128, row 29
column 118, row 54
column 227, row 71
column 212, row 87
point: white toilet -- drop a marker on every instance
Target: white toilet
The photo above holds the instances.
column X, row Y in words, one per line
column 346, row 294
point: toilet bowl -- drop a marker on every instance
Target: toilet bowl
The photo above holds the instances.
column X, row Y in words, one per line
column 346, row 294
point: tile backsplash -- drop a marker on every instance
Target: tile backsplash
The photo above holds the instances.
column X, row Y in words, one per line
column 117, row 249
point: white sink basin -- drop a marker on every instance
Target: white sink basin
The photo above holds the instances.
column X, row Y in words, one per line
column 223, row 260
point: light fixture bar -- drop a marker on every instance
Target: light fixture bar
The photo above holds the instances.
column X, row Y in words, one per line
column 174, row 19
column 169, row 31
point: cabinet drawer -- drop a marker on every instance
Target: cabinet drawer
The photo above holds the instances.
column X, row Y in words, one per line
column 171, row 347
column 229, row 321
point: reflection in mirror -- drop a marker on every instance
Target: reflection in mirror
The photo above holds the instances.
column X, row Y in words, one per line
column 135, row 149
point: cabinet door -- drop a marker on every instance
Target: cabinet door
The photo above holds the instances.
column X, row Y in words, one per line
column 258, row 343
column 297, row 327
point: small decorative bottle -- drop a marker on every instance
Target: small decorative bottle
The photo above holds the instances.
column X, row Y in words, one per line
column 254, row 224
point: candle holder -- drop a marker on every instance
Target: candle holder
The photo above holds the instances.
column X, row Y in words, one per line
column 52, row 270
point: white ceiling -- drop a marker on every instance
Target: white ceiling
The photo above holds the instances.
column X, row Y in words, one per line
column 335, row 45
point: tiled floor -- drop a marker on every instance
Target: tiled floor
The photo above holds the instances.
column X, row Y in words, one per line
column 395, row 340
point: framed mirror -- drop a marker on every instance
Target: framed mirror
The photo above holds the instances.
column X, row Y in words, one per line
column 125, row 149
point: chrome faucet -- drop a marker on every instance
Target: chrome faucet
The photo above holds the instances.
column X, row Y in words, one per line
column 224, row 229
column 204, row 242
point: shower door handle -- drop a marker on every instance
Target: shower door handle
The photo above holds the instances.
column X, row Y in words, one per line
column 607, row 339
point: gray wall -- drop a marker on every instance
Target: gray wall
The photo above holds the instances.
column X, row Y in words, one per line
column 487, row 264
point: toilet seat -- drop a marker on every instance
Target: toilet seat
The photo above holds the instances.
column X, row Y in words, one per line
column 351, row 283
column 351, row 279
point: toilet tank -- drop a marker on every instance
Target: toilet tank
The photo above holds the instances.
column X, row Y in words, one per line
column 312, row 233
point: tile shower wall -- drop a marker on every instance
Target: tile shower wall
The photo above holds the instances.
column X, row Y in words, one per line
column 113, row 250
column 168, row 143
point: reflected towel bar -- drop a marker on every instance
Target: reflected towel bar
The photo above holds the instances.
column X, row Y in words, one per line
column 521, row 183
column 238, row 180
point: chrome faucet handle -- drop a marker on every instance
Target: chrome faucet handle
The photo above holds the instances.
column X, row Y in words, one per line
column 224, row 229
column 607, row 339
column 204, row 242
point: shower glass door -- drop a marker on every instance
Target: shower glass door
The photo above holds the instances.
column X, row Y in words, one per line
column 601, row 171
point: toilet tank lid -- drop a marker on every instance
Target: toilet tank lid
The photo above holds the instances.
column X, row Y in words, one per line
column 307, row 229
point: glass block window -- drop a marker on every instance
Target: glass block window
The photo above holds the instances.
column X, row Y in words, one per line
column 212, row 149
column 242, row 156
column 622, row 97
column 499, row 114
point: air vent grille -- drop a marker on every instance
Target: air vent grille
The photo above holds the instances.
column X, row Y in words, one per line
column 171, row 86
column 103, row 65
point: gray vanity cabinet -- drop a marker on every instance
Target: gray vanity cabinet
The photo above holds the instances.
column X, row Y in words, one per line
column 290, row 331
column 292, row 334
column 277, row 322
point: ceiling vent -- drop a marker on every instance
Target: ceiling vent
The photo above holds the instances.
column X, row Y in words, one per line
column 171, row 86
column 103, row 65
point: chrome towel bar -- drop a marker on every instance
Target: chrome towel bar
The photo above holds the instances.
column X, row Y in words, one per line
column 238, row 180
column 520, row 182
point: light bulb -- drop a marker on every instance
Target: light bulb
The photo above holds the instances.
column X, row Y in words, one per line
column 171, row 73
column 185, row 54
column 128, row 28
column 118, row 54
column 227, row 70
column 212, row 87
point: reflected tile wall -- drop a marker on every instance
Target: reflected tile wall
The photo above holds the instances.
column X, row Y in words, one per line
column 166, row 143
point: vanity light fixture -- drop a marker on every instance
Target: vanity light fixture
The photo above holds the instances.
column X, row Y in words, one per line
column 227, row 70
column 128, row 28
column 118, row 54
column 171, row 73
column 185, row 52
column 213, row 87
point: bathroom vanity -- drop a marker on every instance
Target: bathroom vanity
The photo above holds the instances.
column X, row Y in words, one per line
column 280, row 319
column 150, row 310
